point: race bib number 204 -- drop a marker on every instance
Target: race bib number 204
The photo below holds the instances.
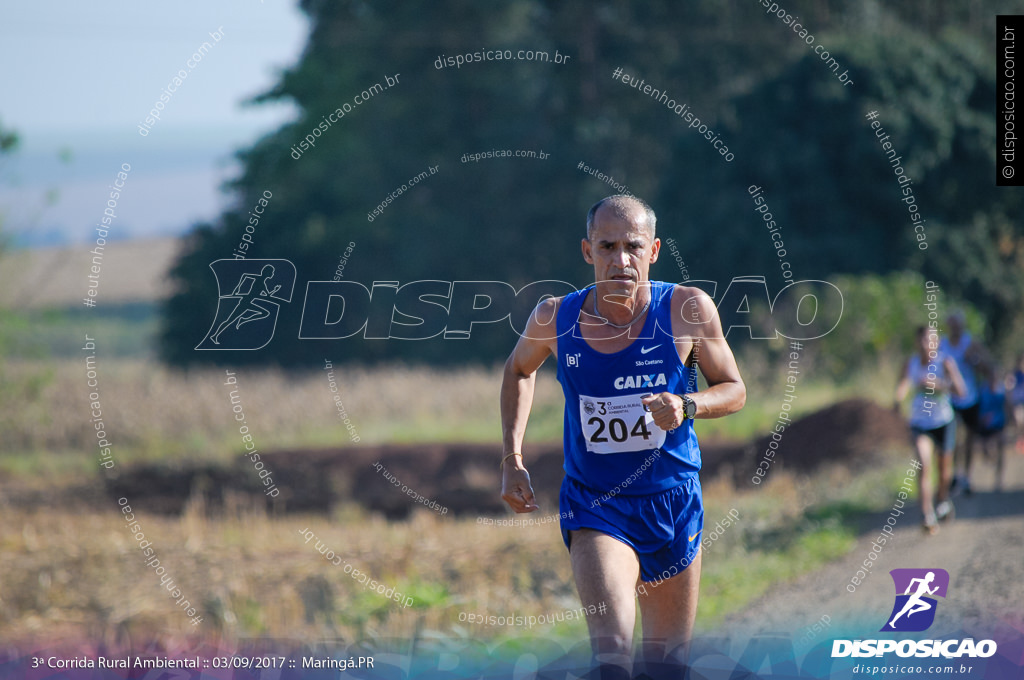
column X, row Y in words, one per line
column 618, row 424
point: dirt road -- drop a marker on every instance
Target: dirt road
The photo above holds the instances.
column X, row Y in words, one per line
column 982, row 549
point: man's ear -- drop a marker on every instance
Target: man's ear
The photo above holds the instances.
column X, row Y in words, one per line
column 655, row 249
column 587, row 256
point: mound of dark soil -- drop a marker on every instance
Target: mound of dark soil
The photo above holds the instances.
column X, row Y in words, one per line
column 464, row 478
column 852, row 433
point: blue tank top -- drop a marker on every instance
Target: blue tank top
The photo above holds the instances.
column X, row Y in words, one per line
column 610, row 440
column 1017, row 395
column 959, row 352
column 991, row 409
column 931, row 408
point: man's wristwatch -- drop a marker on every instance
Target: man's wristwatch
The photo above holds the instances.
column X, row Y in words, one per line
column 689, row 407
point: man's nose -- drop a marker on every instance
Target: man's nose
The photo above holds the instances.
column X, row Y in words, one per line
column 621, row 258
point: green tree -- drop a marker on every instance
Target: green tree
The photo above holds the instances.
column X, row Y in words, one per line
column 796, row 131
column 834, row 189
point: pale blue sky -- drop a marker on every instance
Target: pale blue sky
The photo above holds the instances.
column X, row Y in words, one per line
column 81, row 76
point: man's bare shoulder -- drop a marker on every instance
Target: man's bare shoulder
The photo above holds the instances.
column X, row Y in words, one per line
column 543, row 323
column 691, row 297
column 693, row 313
column 546, row 310
column 550, row 304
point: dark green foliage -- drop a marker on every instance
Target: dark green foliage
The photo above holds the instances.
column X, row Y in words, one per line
column 794, row 130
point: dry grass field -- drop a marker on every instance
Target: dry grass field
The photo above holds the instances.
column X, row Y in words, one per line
column 152, row 413
column 71, row 570
column 132, row 271
column 74, row 573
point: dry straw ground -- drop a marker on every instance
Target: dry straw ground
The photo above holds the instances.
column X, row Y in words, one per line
column 72, row 571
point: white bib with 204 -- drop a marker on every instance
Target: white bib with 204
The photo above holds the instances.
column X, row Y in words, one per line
column 618, row 424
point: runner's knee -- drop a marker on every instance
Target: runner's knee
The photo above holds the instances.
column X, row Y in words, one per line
column 617, row 643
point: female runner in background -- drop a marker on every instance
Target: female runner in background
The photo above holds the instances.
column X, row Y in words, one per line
column 931, row 374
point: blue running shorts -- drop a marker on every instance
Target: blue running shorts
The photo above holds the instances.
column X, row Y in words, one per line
column 663, row 528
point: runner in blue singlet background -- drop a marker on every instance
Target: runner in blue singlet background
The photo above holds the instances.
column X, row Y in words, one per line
column 968, row 354
column 1015, row 388
column 631, row 503
column 993, row 413
column 932, row 375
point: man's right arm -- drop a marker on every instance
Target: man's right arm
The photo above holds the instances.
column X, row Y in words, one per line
column 537, row 342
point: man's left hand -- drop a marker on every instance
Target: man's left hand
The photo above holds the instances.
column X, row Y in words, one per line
column 667, row 408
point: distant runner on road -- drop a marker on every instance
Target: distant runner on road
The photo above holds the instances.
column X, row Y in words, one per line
column 931, row 374
column 968, row 355
column 1015, row 387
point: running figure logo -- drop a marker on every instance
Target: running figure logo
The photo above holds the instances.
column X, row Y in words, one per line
column 914, row 610
column 247, row 316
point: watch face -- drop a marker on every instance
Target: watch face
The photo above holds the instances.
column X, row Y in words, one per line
column 689, row 407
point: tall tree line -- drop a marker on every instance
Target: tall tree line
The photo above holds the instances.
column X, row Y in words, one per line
column 795, row 130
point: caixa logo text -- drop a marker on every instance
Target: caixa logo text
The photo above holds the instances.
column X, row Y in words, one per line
column 426, row 309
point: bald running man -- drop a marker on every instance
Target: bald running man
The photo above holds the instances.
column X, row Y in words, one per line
column 631, row 504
